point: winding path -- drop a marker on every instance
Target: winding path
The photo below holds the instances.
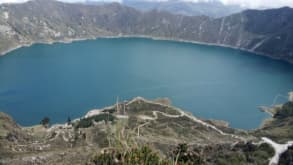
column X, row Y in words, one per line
column 279, row 149
column 182, row 113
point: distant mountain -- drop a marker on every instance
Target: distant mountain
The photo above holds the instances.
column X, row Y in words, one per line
column 268, row 32
column 211, row 8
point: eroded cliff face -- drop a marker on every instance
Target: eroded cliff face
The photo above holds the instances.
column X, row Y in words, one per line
column 267, row 32
column 132, row 124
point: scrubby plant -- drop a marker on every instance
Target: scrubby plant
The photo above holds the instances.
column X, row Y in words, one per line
column 104, row 159
column 68, row 120
column 143, row 155
column 45, row 122
column 182, row 155
column 242, row 153
column 285, row 111
column 135, row 156
column 287, row 157
column 87, row 122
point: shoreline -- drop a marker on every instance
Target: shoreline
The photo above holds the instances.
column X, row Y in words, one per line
column 71, row 40
column 13, row 48
column 98, row 111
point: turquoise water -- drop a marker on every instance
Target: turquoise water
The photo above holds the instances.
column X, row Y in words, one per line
column 62, row 80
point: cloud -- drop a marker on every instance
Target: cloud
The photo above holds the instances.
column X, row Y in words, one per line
column 12, row 1
column 260, row 3
column 74, row 1
column 243, row 3
column 69, row 1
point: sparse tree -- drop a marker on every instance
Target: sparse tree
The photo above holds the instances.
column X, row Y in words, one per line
column 45, row 122
column 68, row 120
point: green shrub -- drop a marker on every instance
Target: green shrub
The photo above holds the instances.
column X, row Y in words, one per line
column 87, row 122
column 183, row 155
column 45, row 122
column 135, row 156
column 287, row 157
column 285, row 111
column 104, row 159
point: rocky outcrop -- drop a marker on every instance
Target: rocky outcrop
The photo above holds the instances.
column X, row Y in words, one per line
column 267, row 32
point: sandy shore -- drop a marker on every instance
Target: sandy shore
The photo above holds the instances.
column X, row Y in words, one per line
column 70, row 40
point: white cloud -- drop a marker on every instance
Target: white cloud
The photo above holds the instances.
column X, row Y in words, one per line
column 70, row 1
column 73, row 1
column 12, row 1
column 260, row 3
column 244, row 3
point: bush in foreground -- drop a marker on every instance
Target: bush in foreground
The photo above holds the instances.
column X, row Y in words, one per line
column 136, row 156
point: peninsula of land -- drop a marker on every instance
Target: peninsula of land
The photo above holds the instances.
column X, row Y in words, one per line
column 103, row 134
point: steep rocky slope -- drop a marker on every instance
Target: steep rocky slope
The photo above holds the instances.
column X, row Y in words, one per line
column 267, row 32
column 129, row 125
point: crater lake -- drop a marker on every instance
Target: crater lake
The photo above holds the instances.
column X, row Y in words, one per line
column 67, row 80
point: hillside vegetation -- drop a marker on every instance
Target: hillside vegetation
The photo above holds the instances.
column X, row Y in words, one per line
column 142, row 131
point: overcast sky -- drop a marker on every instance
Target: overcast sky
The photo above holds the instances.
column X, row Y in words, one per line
column 244, row 3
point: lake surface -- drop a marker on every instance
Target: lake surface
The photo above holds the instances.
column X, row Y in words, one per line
column 62, row 80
